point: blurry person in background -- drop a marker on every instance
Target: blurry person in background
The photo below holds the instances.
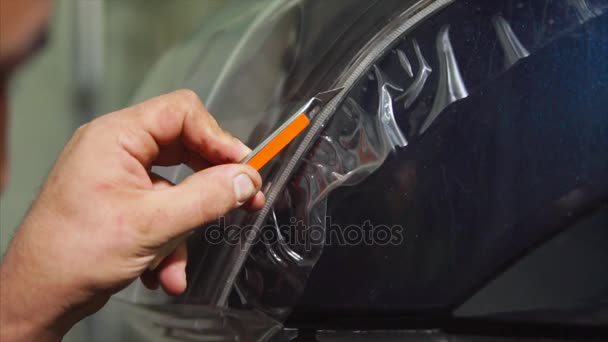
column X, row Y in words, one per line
column 102, row 216
column 22, row 30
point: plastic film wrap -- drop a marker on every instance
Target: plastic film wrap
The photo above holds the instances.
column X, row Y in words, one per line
column 396, row 89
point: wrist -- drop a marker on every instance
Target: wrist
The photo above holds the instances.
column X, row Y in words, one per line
column 30, row 308
column 20, row 321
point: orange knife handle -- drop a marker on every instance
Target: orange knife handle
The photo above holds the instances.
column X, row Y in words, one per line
column 279, row 142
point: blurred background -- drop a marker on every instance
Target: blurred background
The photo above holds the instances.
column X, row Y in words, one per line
column 98, row 55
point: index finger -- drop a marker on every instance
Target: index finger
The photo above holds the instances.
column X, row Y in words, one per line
column 181, row 117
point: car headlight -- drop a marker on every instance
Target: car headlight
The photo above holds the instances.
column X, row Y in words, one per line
column 398, row 85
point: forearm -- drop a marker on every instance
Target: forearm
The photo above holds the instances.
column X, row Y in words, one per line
column 17, row 328
column 29, row 310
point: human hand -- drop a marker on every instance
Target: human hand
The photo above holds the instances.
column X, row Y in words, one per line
column 102, row 216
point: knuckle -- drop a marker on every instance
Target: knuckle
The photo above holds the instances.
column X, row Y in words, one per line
column 81, row 131
column 82, row 128
column 89, row 131
column 96, row 127
column 190, row 96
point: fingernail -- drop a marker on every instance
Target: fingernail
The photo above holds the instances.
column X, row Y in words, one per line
column 243, row 188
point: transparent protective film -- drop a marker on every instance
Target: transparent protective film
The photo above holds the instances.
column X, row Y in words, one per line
column 255, row 266
column 346, row 143
column 287, row 252
column 353, row 145
column 395, row 94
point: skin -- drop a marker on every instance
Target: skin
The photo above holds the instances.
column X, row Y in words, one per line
column 102, row 217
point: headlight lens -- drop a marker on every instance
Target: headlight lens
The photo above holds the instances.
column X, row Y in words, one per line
column 397, row 87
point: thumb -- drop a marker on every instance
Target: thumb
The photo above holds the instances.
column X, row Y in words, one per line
column 202, row 198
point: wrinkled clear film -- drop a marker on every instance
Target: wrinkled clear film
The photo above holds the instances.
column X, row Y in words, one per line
column 396, row 88
column 348, row 141
column 352, row 147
